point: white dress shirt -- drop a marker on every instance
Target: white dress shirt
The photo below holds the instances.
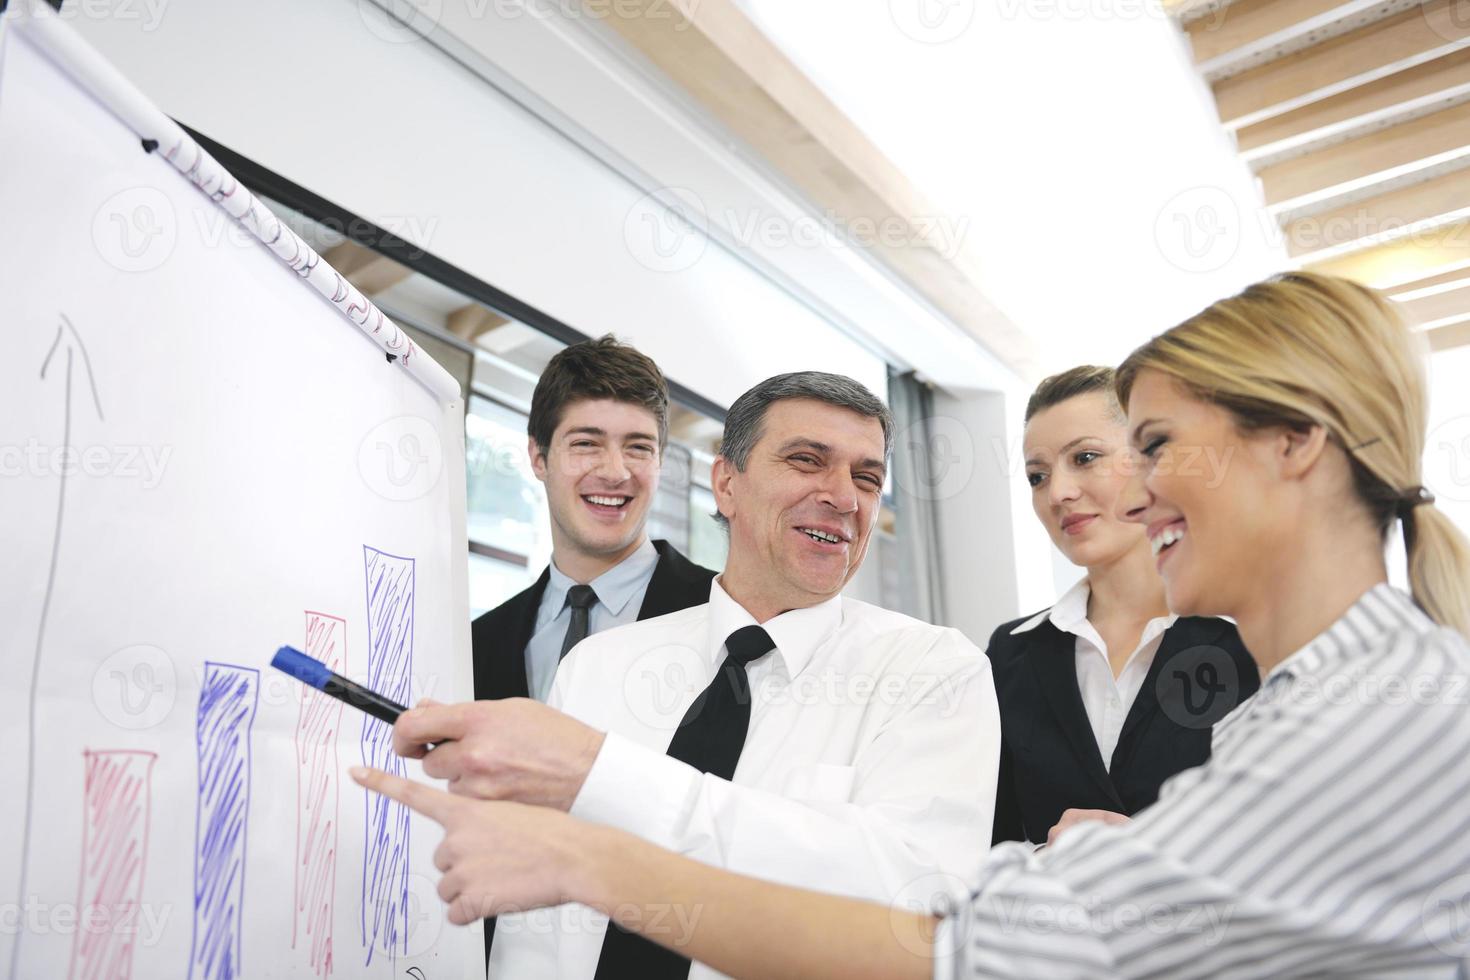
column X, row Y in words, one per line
column 1107, row 699
column 620, row 591
column 1327, row 835
column 869, row 768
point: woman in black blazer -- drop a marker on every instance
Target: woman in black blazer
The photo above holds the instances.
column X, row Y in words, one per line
column 1104, row 695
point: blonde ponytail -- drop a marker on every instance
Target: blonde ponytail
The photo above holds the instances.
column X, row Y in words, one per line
column 1439, row 567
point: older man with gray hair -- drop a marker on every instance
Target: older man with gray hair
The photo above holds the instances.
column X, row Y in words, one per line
column 780, row 730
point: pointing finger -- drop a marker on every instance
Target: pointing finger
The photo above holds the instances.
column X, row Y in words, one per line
column 433, row 803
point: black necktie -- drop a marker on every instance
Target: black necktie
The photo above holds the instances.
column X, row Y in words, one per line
column 709, row 738
column 580, row 598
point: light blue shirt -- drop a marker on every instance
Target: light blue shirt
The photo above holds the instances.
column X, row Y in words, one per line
column 620, row 592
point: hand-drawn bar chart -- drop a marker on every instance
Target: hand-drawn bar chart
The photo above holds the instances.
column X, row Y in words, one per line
column 227, row 703
column 316, row 798
column 385, row 899
column 115, row 814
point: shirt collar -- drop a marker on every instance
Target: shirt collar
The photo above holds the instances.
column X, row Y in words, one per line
column 1379, row 611
column 797, row 633
column 614, row 587
column 1068, row 611
column 1070, row 616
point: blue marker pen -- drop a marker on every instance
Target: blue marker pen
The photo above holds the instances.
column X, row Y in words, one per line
column 315, row 674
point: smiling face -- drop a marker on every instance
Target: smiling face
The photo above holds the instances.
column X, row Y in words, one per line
column 1211, row 498
column 1077, row 463
column 802, row 511
column 601, row 472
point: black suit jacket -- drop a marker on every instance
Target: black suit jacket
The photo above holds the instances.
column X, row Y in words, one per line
column 1049, row 758
column 499, row 637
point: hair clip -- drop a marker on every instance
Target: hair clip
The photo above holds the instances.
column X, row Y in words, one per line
column 1413, row 497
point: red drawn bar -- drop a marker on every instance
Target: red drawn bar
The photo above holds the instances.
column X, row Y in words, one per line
column 115, row 819
column 316, row 796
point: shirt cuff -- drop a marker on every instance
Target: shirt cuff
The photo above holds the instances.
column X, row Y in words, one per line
column 638, row 790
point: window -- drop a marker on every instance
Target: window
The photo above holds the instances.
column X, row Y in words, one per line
column 708, row 545
column 506, row 518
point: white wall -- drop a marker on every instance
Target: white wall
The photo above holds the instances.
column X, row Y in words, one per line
column 331, row 96
column 983, row 570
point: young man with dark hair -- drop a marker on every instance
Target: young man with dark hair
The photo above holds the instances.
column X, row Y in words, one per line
column 597, row 432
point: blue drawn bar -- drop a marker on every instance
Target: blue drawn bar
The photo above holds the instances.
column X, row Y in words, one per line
column 227, row 701
column 390, row 660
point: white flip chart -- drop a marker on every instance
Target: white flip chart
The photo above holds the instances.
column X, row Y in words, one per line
column 210, row 446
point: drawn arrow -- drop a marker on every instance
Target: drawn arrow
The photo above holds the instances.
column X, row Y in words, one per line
column 68, row 338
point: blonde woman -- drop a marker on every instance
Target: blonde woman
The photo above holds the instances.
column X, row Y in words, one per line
column 1327, row 835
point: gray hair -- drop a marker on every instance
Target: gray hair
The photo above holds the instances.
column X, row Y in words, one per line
column 743, row 423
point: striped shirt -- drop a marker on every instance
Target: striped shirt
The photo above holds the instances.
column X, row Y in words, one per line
column 1328, row 835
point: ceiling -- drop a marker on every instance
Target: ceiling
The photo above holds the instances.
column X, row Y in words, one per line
column 1355, row 119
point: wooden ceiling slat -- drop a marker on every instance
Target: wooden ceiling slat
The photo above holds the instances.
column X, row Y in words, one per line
column 1404, row 260
column 1437, row 307
column 1395, row 151
column 1450, row 336
column 1360, row 137
column 1452, row 275
column 1188, row 11
column 1443, row 198
column 1445, row 78
column 1257, row 32
column 1249, row 21
column 1358, row 58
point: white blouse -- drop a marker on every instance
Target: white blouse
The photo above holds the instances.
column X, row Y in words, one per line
column 1106, row 698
